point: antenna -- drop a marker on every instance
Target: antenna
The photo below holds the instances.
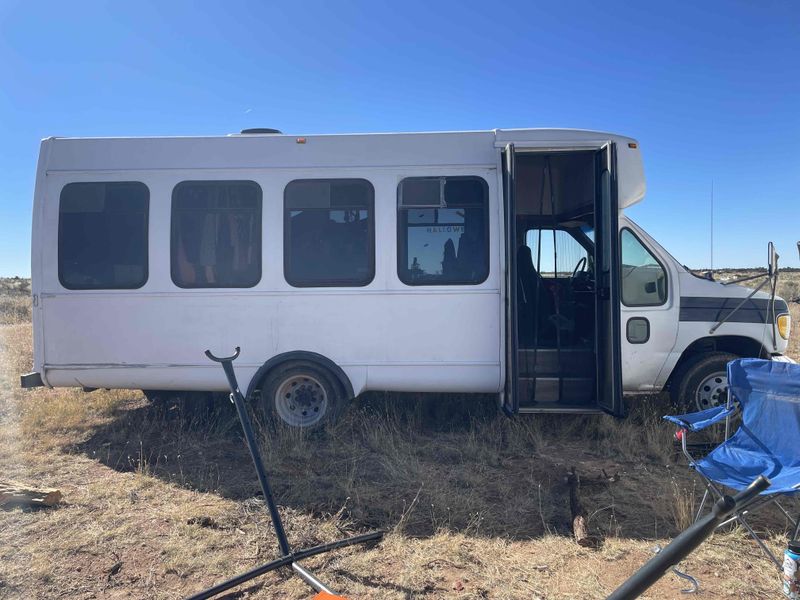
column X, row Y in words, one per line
column 711, row 224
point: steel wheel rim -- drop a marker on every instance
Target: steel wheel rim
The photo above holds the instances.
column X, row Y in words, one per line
column 712, row 391
column 301, row 401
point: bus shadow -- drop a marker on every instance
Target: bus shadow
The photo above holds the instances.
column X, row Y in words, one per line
column 418, row 464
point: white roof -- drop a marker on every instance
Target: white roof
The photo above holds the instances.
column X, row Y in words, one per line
column 257, row 151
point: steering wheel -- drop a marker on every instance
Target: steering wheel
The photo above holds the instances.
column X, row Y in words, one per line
column 581, row 279
column 581, row 266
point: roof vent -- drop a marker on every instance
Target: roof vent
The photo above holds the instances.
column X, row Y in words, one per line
column 262, row 130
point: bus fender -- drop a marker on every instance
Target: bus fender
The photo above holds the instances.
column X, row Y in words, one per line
column 304, row 355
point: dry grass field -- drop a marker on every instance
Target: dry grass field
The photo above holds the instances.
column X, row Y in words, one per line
column 160, row 500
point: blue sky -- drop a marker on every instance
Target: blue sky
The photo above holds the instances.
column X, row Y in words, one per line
column 710, row 89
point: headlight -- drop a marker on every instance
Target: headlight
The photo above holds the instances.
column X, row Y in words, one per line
column 784, row 325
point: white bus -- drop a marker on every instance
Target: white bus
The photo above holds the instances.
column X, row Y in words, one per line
column 489, row 261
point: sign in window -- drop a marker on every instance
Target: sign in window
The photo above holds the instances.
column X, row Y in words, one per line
column 443, row 234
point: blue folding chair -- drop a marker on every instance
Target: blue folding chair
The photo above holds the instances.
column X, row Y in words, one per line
column 767, row 395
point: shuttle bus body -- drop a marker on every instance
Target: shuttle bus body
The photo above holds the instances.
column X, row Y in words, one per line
column 471, row 262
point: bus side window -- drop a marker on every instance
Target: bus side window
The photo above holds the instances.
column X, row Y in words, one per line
column 644, row 280
column 102, row 235
column 443, row 231
column 216, row 234
column 329, row 232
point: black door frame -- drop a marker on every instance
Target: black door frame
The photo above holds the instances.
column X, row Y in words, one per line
column 607, row 338
column 607, row 343
column 510, row 396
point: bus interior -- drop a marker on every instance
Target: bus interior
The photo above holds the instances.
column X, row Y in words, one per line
column 555, row 199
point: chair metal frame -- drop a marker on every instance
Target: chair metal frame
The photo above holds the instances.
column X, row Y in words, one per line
column 741, row 511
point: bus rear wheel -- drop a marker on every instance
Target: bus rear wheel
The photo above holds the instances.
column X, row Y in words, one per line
column 301, row 394
column 702, row 382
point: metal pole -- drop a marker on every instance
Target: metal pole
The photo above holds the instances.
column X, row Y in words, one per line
column 309, row 578
column 712, row 228
column 738, row 306
column 556, row 287
column 252, row 446
column 288, row 557
column 686, row 542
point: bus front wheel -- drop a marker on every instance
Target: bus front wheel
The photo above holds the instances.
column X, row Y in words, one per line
column 702, row 382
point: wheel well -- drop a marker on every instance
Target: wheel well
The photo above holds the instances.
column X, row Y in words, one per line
column 744, row 347
column 301, row 355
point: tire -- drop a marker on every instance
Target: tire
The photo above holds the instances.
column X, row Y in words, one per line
column 702, row 382
column 301, row 394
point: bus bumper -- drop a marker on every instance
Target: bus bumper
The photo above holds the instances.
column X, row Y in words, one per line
column 782, row 358
column 31, row 380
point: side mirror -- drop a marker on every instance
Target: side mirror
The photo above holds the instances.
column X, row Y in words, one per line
column 772, row 259
column 798, row 248
column 650, row 287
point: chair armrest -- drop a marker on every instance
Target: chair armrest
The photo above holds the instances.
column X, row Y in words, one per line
column 697, row 421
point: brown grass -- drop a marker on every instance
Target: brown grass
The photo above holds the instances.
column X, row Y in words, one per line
column 160, row 499
column 15, row 301
column 794, row 339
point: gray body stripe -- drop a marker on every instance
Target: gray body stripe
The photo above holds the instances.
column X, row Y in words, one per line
column 711, row 310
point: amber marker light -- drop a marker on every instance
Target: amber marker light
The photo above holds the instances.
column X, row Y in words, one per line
column 784, row 325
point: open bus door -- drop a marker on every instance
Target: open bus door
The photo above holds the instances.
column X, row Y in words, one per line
column 510, row 396
column 608, row 351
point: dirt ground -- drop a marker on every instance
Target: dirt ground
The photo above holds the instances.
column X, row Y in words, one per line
column 160, row 499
